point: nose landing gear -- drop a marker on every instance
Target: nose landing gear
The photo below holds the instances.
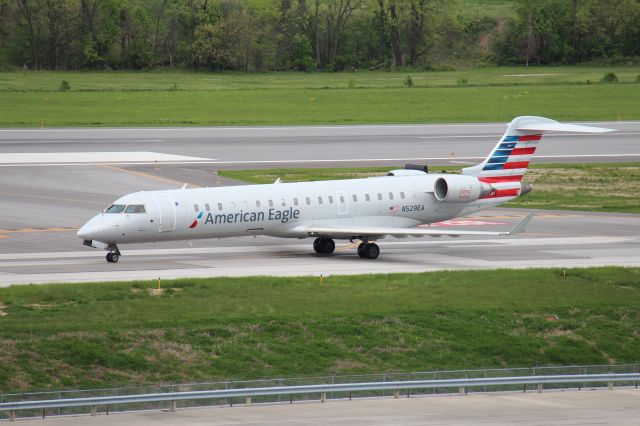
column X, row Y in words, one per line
column 114, row 254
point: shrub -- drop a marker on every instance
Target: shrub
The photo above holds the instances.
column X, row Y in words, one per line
column 408, row 81
column 610, row 77
column 462, row 81
column 351, row 83
column 65, row 86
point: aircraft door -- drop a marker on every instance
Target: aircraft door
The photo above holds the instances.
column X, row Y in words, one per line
column 167, row 209
column 343, row 203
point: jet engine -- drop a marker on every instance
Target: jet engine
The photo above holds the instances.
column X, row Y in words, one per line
column 460, row 189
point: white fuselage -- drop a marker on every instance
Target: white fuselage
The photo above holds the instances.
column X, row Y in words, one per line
column 280, row 209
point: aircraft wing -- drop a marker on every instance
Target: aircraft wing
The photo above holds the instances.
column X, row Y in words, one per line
column 376, row 231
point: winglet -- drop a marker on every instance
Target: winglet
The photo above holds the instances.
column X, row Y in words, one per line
column 520, row 227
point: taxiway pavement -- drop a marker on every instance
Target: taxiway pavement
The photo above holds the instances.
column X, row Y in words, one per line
column 553, row 239
column 45, row 198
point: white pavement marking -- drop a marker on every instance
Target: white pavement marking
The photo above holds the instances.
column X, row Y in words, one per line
column 196, row 160
column 552, row 135
column 47, row 158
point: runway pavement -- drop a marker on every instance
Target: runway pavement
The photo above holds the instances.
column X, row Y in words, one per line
column 255, row 147
column 591, row 407
column 46, row 197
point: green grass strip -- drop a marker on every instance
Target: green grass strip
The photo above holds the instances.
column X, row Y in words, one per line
column 113, row 334
column 318, row 106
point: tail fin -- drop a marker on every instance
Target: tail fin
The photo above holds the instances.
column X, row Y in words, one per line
column 509, row 160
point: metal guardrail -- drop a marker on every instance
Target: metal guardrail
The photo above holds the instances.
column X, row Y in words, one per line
column 322, row 389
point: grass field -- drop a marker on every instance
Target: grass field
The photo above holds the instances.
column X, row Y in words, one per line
column 182, row 98
column 89, row 335
column 594, row 187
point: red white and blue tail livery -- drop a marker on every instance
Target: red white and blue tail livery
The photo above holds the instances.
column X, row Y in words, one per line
column 399, row 204
column 505, row 167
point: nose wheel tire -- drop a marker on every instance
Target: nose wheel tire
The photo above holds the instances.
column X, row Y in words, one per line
column 324, row 245
column 114, row 254
column 368, row 250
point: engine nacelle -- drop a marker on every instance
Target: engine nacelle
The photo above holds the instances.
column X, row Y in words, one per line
column 460, row 189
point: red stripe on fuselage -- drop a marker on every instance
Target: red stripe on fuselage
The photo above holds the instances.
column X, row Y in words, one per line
column 503, row 193
column 496, row 179
column 529, row 138
column 523, row 151
column 516, row 165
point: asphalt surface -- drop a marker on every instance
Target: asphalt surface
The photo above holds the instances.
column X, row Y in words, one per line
column 596, row 407
column 44, row 203
column 321, row 146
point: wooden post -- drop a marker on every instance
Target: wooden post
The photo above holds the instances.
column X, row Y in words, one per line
column 94, row 410
column 247, row 400
column 323, row 397
column 173, row 405
column 12, row 416
column 611, row 385
column 396, row 394
column 539, row 387
column 462, row 390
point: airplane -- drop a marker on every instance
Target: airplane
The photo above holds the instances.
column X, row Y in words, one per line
column 403, row 203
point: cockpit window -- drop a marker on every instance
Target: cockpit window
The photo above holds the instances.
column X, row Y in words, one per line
column 115, row 208
column 135, row 208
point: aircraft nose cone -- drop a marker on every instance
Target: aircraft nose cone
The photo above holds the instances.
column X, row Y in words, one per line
column 85, row 232
column 91, row 230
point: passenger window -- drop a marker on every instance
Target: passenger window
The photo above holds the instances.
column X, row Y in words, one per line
column 342, row 198
column 195, row 207
column 391, row 195
column 319, row 200
column 219, row 206
column 330, row 199
column 135, row 208
column 308, row 201
column 284, row 203
column 379, row 196
column 115, row 208
column 270, row 203
column 295, row 201
column 366, row 197
column 258, row 203
column 207, row 207
column 402, row 195
column 355, row 198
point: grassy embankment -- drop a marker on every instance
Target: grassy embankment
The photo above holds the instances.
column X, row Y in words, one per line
column 193, row 98
column 90, row 335
column 594, row 187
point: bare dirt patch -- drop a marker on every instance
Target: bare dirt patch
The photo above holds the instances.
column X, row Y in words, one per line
column 182, row 351
column 345, row 364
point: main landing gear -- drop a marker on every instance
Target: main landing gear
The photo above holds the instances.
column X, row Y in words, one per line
column 324, row 245
column 368, row 250
column 114, row 254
